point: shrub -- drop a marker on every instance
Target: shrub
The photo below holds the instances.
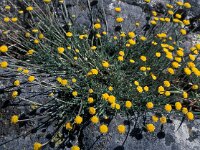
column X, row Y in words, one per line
column 93, row 74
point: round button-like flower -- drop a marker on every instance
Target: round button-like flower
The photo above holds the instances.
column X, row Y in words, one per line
column 128, row 104
column 78, row 120
column 190, row 116
column 37, row 146
column 105, row 64
column 14, row 119
column 163, row 120
column 168, row 107
column 150, row 127
column 103, row 128
column 3, row 64
column 92, row 110
column 178, row 106
column 149, row 105
column 121, row 129
column 97, row 26
column 75, row 147
column 3, row 48
column 95, row 119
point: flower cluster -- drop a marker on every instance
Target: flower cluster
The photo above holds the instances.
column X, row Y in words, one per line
column 97, row 74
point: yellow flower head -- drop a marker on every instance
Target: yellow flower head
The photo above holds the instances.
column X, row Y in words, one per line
column 68, row 126
column 190, row 116
column 103, row 128
column 37, row 146
column 121, row 129
column 163, row 120
column 118, row 9
column 61, row 50
column 16, row 83
column 75, row 93
column 29, row 8
column 149, row 105
column 111, row 99
column 168, row 107
column 94, row 119
column 14, row 119
column 97, row 26
column 119, row 19
column 75, row 147
column 90, row 100
column 178, row 106
column 154, row 118
column 78, row 120
column 92, row 110
column 3, row 64
column 3, row 48
column 105, row 64
column 128, row 104
column 150, row 127
column 69, row 34
column 31, row 78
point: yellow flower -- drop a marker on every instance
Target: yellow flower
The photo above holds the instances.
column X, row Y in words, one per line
column 92, row 110
column 121, row 128
column 14, row 119
column 143, row 68
column 94, row 71
column 171, row 71
column 47, row 1
column 132, row 61
column 121, row 53
column 168, row 107
column 170, row 12
column 31, row 78
column 120, row 58
column 110, row 88
column 78, row 120
column 175, row 65
column 190, row 116
column 161, row 90
column 166, row 83
column 149, row 105
column 36, row 41
column 94, row 119
column 143, row 38
column 64, row 82
column 117, row 106
column 69, row 34
column 111, row 99
column 131, row 41
column 192, row 57
column 146, row 88
column 183, row 31
column 104, row 32
column 119, row 19
column 167, row 93
column 75, row 93
column 60, row 50
column 68, row 126
column 105, row 64
column 117, row 9
column 122, row 34
column 93, row 48
column 90, row 91
column 198, row 46
column 179, row 3
column 29, row 8
column 178, row 106
column 30, row 52
column 186, row 22
column 154, row 118
column 128, row 104
column 184, row 110
column 150, row 127
column 3, row 48
column 14, row 19
column 187, row 71
column 195, row 87
column 27, row 34
column 7, row 7
column 143, row 58
column 97, row 26
column 105, row 96
column 147, row 1
column 153, row 22
column 185, row 94
column 163, row 120
column 16, row 83
column 131, row 34
column 37, row 146
column 178, row 16
column 14, row 94
column 187, row 5
column 139, row 89
column 6, row 19
column 75, row 147
column 90, row 100
column 3, row 64
column 103, row 128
